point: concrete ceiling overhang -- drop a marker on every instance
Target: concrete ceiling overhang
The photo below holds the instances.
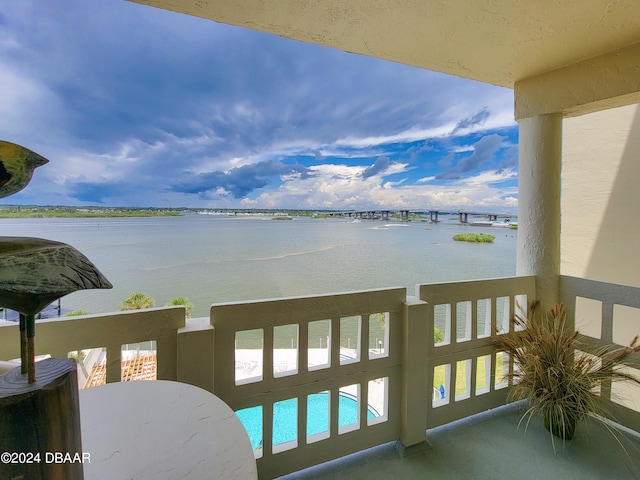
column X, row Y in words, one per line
column 501, row 42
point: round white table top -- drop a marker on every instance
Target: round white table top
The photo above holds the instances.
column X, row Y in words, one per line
column 162, row 430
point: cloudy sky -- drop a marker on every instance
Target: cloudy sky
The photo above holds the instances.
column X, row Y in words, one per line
column 136, row 106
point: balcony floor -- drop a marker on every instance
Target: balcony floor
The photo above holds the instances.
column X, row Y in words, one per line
column 490, row 446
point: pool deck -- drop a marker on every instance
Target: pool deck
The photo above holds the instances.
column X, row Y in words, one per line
column 491, row 446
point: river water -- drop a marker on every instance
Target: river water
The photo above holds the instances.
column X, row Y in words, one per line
column 220, row 258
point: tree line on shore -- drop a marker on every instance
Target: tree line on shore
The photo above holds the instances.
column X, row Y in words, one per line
column 139, row 300
column 50, row 211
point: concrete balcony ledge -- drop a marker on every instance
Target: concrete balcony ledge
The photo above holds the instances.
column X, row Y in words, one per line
column 492, row 446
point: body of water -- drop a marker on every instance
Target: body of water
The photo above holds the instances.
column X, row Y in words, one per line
column 219, row 258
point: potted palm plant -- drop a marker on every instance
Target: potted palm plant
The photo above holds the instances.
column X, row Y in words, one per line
column 553, row 372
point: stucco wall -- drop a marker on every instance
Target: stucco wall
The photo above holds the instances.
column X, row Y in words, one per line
column 601, row 196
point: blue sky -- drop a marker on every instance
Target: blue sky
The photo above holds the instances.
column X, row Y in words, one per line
column 136, row 106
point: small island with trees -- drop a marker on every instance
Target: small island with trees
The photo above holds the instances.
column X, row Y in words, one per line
column 474, row 237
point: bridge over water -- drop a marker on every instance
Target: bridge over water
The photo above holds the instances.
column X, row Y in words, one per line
column 431, row 214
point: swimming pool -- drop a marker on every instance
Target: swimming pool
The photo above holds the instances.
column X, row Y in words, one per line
column 285, row 414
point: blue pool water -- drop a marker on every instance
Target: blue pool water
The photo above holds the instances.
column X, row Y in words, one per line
column 285, row 414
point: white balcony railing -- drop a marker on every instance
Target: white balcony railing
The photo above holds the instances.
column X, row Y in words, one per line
column 372, row 354
column 607, row 314
column 107, row 334
column 464, row 368
column 283, row 354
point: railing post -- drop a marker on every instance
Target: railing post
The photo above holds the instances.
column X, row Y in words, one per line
column 195, row 353
column 114, row 362
column 413, row 416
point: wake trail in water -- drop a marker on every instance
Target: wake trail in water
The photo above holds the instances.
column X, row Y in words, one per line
column 222, row 261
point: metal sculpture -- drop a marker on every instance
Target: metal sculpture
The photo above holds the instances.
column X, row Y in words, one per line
column 17, row 164
column 35, row 272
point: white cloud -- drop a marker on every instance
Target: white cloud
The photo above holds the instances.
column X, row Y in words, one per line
column 411, row 135
column 488, row 177
column 426, row 179
column 342, row 187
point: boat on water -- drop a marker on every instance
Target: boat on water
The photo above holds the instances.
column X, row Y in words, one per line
column 481, row 223
column 506, row 223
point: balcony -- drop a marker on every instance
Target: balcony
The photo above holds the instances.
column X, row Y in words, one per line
column 489, row 446
column 409, row 388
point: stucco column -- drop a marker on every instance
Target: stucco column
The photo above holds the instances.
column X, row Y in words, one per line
column 540, row 152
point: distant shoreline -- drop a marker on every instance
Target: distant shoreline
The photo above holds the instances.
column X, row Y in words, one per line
column 57, row 211
column 34, row 211
column 82, row 212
